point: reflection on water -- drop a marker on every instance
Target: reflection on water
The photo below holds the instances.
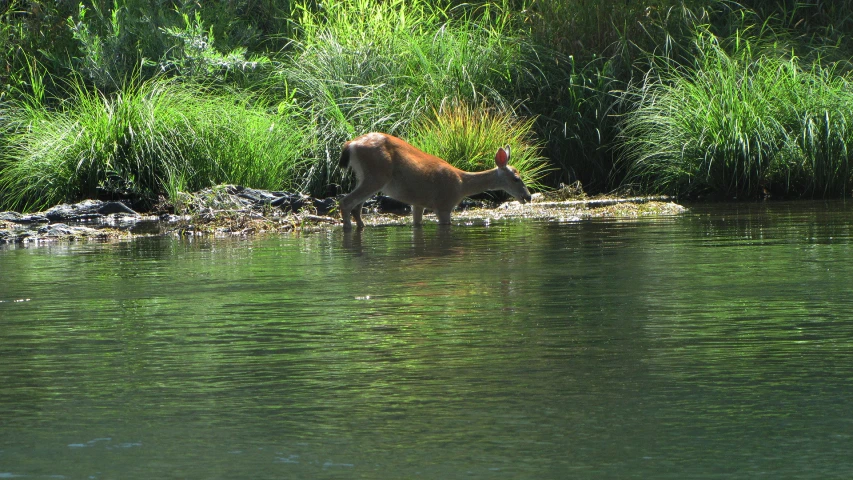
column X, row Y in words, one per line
column 713, row 345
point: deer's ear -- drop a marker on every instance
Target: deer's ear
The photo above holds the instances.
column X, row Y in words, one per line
column 502, row 157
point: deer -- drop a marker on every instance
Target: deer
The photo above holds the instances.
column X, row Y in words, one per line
column 385, row 163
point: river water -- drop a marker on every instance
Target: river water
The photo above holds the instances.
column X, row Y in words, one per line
column 715, row 344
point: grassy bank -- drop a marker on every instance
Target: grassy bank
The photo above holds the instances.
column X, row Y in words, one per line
column 150, row 138
column 742, row 122
column 403, row 68
column 679, row 97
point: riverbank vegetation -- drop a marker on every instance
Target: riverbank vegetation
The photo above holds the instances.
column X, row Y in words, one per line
column 142, row 99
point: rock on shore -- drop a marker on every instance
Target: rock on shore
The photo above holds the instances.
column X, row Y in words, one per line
column 237, row 210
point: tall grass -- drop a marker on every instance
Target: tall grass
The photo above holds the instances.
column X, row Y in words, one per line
column 360, row 66
column 147, row 138
column 713, row 112
column 468, row 137
column 740, row 122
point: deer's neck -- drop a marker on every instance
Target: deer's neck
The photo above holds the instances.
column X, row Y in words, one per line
column 479, row 182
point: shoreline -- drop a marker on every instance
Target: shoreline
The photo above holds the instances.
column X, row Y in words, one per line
column 229, row 211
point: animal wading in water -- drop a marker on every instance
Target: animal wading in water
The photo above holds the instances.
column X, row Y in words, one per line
column 385, row 163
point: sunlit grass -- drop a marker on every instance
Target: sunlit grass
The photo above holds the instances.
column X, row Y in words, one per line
column 361, row 66
column 468, row 138
column 148, row 139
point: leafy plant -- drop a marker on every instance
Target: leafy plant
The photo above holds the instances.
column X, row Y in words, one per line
column 195, row 57
column 106, row 58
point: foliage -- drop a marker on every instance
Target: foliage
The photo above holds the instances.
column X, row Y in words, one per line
column 148, row 138
column 194, row 57
column 105, row 58
column 816, row 22
column 603, row 81
column 360, row 66
column 740, row 123
column 468, row 138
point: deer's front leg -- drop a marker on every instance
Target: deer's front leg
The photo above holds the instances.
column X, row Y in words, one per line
column 417, row 215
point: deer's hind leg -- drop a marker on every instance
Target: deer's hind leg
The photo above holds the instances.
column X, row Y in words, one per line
column 353, row 202
column 352, row 205
column 374, row 170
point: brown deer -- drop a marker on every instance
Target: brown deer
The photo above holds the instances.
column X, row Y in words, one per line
column 382, row 162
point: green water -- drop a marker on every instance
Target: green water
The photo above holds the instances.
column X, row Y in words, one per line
column 718, row 344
